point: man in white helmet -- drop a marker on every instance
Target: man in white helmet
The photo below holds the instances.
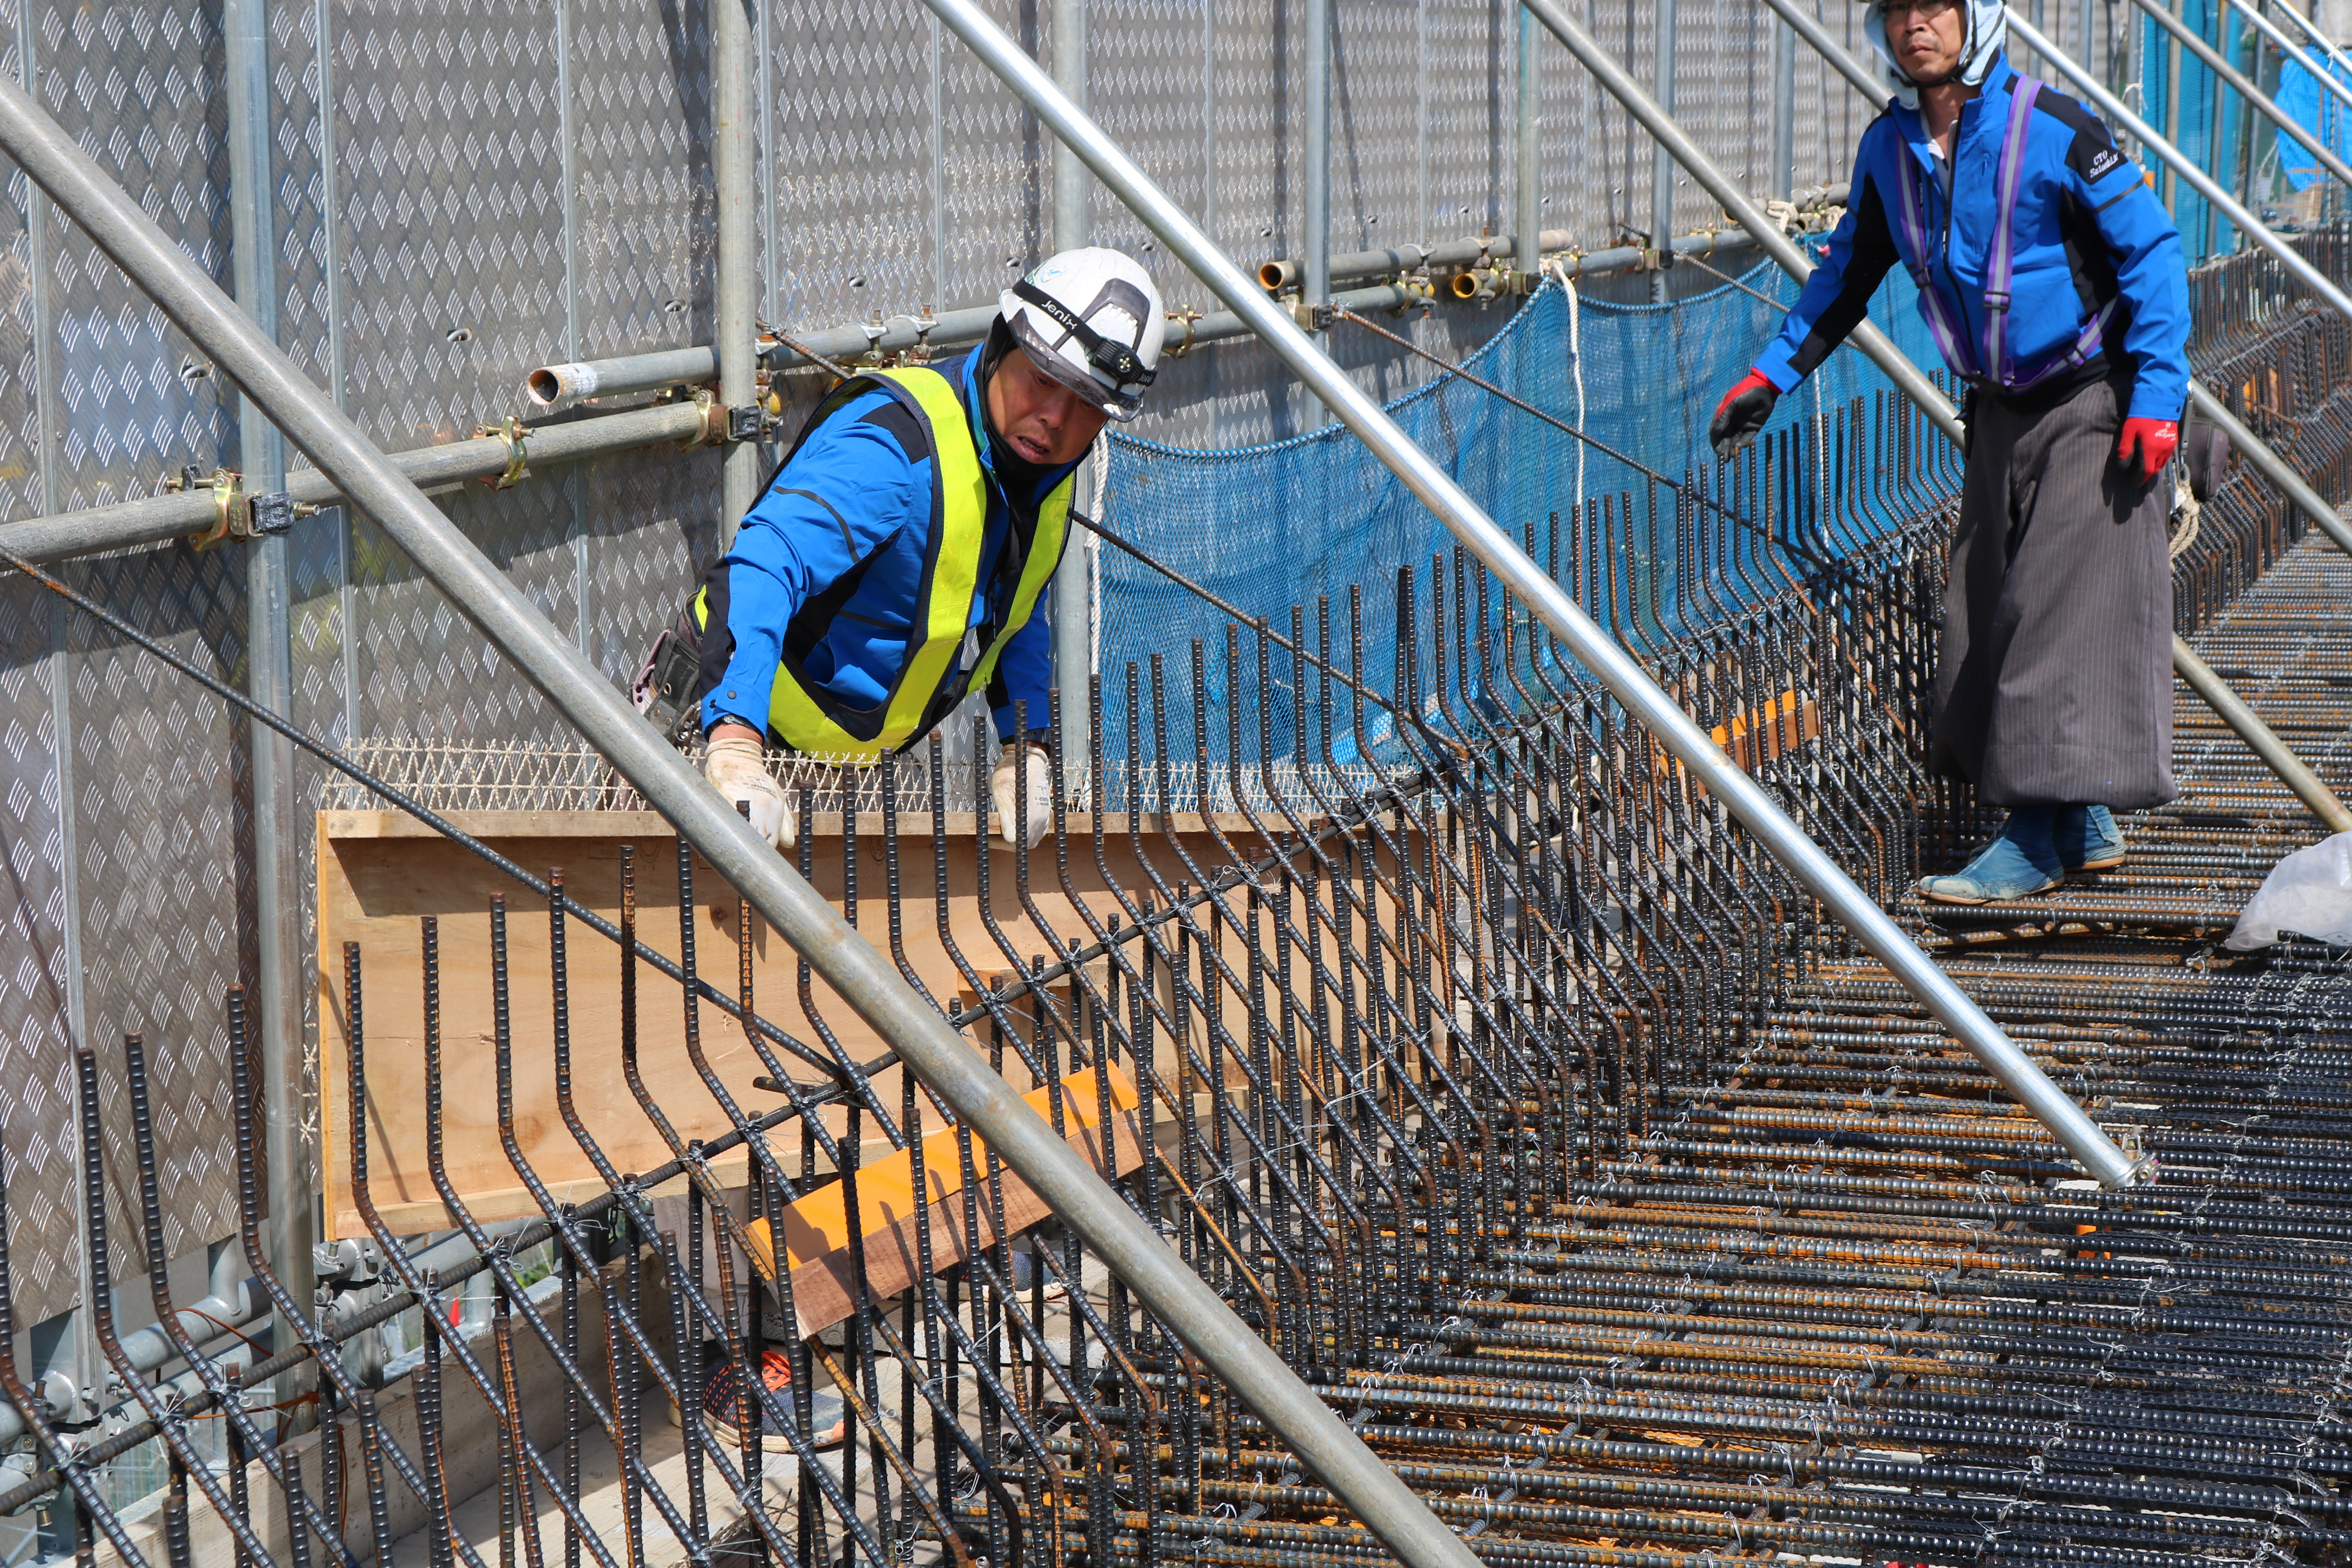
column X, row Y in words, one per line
column 2051, row 278
column 921, row 509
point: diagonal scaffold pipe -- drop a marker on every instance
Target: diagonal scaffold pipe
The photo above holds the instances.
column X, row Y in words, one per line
column 2194, row 42
column 2203, row 184
column 2264, row 742
column 866, row 981
column 2289, row 49
column 1611, row 665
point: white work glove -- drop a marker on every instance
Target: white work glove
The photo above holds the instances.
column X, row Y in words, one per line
column 737, row 769
column 1035, row 778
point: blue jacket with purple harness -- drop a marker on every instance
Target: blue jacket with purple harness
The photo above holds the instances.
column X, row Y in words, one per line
column 2043, row 258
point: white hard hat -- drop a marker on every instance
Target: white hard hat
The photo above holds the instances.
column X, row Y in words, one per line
column 1092, row 319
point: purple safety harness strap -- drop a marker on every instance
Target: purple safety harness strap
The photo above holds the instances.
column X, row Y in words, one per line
column 1951, row 340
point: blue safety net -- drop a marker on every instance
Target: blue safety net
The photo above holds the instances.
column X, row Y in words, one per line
column 1269, row 527
column 2316, row 106
column 2194, row 111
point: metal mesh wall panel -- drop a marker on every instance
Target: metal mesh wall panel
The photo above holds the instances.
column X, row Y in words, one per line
column 458, row 192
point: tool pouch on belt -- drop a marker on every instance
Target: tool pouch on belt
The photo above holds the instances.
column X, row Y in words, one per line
column 665, row 688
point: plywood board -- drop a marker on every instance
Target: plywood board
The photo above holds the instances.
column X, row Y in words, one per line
column 822, row 1248
column 380, row 872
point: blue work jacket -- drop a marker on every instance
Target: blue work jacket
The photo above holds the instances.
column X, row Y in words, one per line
column 2089, row 229
column 834, row 554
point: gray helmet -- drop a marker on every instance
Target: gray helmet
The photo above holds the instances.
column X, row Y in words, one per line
column 1987, row 34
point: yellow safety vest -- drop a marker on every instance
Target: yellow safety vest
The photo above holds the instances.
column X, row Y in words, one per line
column 814, row 722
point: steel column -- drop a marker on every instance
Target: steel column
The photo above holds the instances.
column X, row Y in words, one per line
column 1662, row 163
column 269, row 681
column 736, row 281
column 1611, row 665
column 1072, row 599
column 863, row 977
column 1528, row 143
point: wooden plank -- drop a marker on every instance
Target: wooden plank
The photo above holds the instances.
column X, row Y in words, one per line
column 377, row 877
column 819, row 1241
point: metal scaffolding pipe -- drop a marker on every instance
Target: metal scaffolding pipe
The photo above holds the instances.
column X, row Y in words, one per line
column 1528, row 144
column 553, row 384
column 2293, row 51
column 1662, row 163
column 2234, row 713
column 1611, row 665
column 2205, row 185
column 1315, row 282
column 736, row 274
column 1070, row 598
column 269, row 681
column 165, row 518
column 864, row 978
column 2232, row 710
column 1286, row 272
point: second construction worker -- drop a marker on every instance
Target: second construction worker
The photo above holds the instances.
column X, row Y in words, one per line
column 897, row 558
column 2052, row 278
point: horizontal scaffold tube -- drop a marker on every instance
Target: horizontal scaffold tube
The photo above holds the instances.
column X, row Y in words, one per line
column 553, row 384
column 159, row 519
column 1616, row 669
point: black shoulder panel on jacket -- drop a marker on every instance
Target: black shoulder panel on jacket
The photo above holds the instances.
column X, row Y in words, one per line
column 2093, row 155
column 894, row 416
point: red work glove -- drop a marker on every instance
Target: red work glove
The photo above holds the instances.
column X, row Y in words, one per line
column 2153, row 441
column 1741, row 414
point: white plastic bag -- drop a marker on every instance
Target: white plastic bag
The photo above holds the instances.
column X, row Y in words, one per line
column 2309, row 893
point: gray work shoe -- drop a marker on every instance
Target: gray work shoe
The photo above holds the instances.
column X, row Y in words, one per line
column 2018, row 864
column 2087, row 838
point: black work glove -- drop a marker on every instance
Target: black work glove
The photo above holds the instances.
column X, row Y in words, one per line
column 1741, row 414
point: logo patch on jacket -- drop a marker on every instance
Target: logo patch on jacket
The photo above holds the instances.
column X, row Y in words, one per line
column 2105, row 161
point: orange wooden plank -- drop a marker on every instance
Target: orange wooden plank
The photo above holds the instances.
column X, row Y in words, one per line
column 818, row 1237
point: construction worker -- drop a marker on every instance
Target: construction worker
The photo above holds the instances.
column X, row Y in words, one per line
column 2052, row 278
column 898, row 556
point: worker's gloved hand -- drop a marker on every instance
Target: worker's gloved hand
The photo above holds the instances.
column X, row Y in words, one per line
column 2147, row 446
column 736, row 768
column 1741, row 414
column 1025, row 767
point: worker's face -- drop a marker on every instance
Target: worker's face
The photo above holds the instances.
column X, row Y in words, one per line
column 1926, row 37
column 1044, row 422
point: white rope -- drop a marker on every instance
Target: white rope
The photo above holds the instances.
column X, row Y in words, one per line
column 1576, row 368
column 2186, row 511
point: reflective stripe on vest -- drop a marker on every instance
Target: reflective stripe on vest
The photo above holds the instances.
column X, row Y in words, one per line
column 1997, row 364
column 812, row 721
